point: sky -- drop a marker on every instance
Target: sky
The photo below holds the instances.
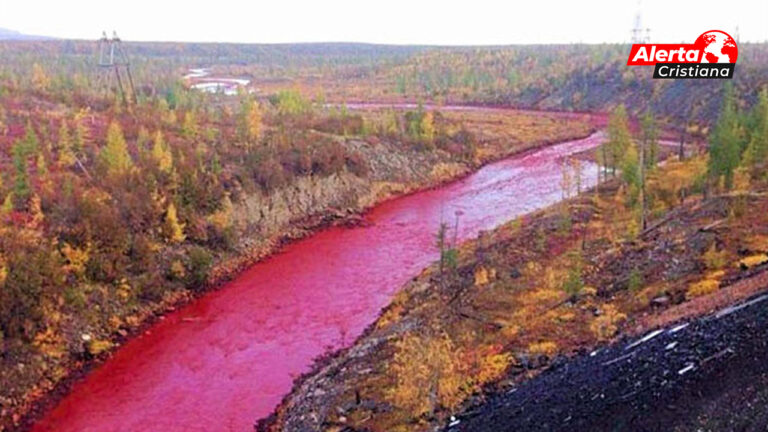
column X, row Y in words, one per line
column 440, row 22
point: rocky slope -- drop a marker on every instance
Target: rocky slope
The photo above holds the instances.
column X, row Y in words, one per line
column 708, row 374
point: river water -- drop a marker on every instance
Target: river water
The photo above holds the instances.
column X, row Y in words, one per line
column 228, row 358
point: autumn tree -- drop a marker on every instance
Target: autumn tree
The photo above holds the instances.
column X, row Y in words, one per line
column 649, row 140
column 254, row 121
column 81, row 136
column 619, row 139
column 161, row 153
column 631, row 171
column 648, row 153
column 114, row 156
column 448, row 254
column 66, row 157
column 428, row 127
column 724, row 145
column 31, row 141
column 7, row 205
column 250, row 120
column 40, row 79
column 41, row 164
column 189, row 127
column 174, row 230
column 3, row 125
column 21, row 188
column 427, row 374
column 291, row 102
column 390, row 125
column 31, row 273
column 756, row 154
column 574, row 280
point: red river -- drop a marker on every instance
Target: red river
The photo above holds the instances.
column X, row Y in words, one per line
column 228, row 358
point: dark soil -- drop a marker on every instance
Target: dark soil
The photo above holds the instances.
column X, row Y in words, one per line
column 711, row 375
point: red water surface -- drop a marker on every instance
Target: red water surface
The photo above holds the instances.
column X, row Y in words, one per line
column 228, row 358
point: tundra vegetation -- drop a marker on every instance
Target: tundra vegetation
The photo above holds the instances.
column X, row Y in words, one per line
column 652, row 243
column 111, row 213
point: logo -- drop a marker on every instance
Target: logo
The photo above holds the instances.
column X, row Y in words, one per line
column 712, row 56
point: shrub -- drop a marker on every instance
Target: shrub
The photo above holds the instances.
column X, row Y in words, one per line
column 704, row 287
column 425, row 366
column 606, row 325
column 328, row 159
column 291, row 102
column 349, row 124
column 635, row 281
column 199, row 262
column 714, row 259
column 574, row 281
column 270, row 174
column 543, row 348
column 356, row 164
column 32, row 271
column 753, row 260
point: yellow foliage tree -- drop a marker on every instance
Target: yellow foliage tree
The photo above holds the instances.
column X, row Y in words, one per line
column 66, row 155
column 7, row 206
column 3, row 270
column 75, row 259
column 115, row 155
column 162, row 154
column 428, row 127
column 173, row 228
column 40, row 80
column 222, row 218
column 426, row 373
column 390, row 124
column 189, row 128
column 36, row 211
column 254, row 121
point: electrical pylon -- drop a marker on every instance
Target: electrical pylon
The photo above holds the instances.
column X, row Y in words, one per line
column 640, row 35
column 113, row 62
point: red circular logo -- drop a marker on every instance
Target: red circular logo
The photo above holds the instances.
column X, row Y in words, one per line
column 717, row 47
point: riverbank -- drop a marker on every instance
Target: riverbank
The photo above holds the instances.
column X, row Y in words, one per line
column 539, row 289
column 387, row 164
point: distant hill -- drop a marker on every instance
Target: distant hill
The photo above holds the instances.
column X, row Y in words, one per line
column 7, row 34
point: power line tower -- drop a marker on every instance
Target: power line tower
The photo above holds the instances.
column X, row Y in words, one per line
column 639, row 34
column 112, row 59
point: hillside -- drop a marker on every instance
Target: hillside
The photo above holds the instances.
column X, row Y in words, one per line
column 499, row 310
column 12, row 35
column 703, row 374
column 587, row 78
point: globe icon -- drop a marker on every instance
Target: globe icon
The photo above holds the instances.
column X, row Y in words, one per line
column 717, row 47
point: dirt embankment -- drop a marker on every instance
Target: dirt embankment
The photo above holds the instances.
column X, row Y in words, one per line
column 531, row 294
